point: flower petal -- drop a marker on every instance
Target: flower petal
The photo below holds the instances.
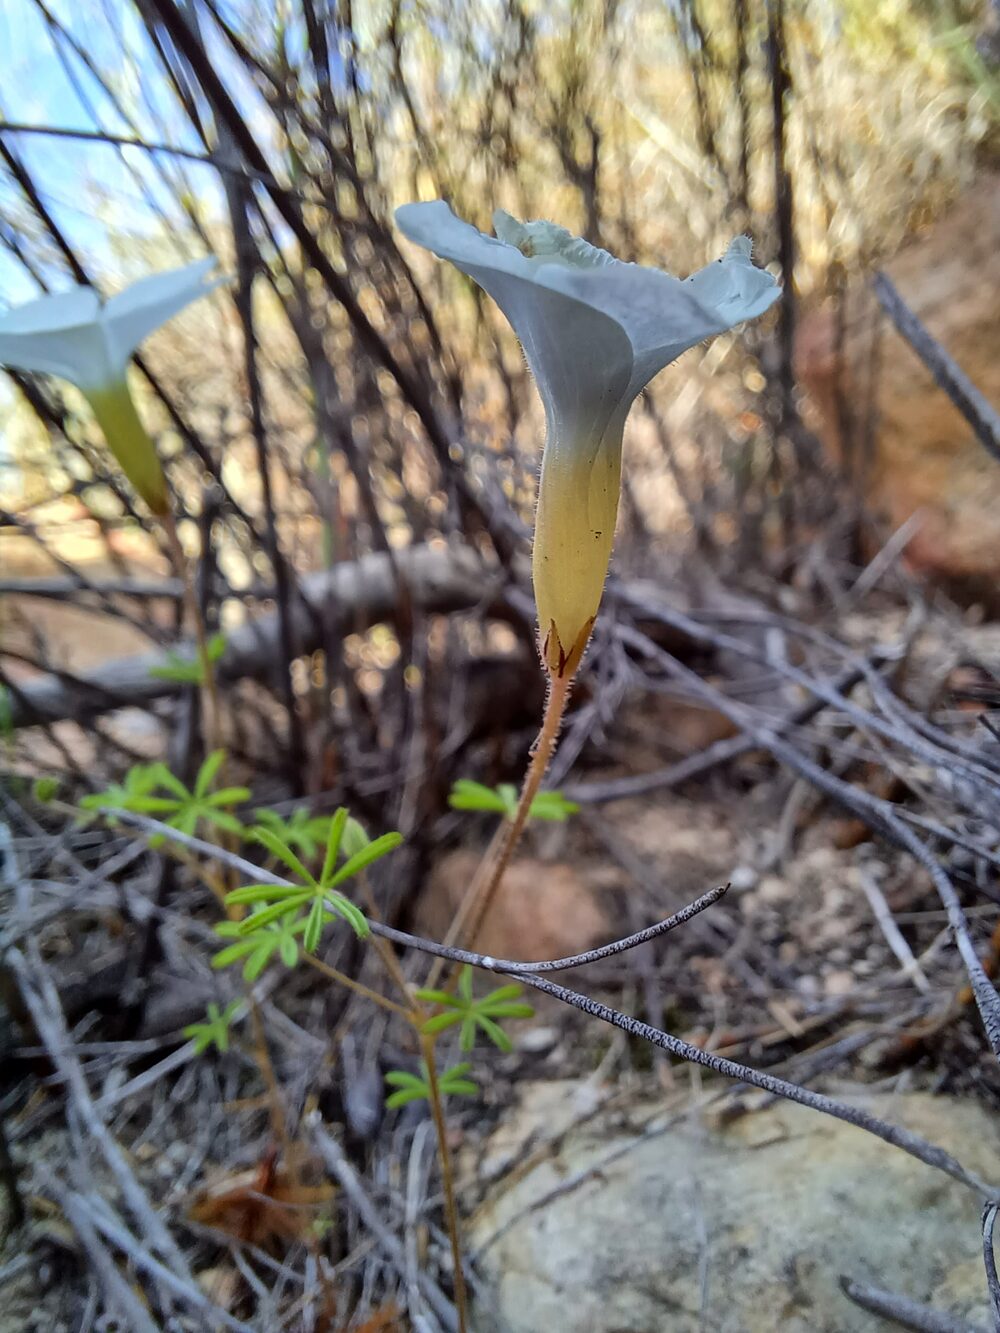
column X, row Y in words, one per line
column 581, row 359
column 141, row 308
column 733, row 286
column 56, row 335
column 725, row 294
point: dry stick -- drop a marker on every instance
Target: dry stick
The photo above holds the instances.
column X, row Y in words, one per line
column 447, row 1179
column 978, row 412
column 511, row 967
column 902, row 1311
column 695, row 765
column 338, row 1165
column 118, row 1294
column 359, row 988
column 928, row 1153
column 43, row 1005
column 99, row 1212
column 917, row 1147
column 990, row 1261
column 541, row 754
column 411, row 385
column 877, row 814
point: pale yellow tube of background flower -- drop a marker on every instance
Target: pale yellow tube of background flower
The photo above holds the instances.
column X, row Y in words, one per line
column 595, row 331
column 89, row 343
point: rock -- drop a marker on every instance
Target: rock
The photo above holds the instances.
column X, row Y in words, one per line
column 924, row 455
column 543, row 909
column 737, row 1228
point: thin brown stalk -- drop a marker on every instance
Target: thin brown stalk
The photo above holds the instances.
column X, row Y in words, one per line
column 182, row 570
column 447, row 1181
column 357, row 986
column 541, row 756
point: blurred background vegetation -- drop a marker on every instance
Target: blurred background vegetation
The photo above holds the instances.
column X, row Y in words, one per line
column 384, row 402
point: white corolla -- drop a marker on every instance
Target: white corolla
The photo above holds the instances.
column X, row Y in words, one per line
column 595, row 330
column 89, row 342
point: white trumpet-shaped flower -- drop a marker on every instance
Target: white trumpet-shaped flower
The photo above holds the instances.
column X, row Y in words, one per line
column 89, row 342
column 595, row 330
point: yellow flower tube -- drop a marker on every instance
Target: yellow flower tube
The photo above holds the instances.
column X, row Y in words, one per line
column 578, row 494
column 129, row 441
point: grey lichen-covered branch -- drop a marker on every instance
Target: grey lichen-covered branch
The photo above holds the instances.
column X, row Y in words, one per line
column 348, row 598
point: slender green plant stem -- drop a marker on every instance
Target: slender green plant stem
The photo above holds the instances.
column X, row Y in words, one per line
column 541, row 757
column 447, row 1180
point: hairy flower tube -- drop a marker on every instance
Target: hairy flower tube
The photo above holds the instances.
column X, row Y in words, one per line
column 595, row 330
column 89, row 342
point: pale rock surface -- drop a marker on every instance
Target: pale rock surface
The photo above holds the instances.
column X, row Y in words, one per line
column 743, row 1227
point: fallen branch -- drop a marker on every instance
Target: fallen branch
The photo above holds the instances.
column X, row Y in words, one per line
column 349, row 597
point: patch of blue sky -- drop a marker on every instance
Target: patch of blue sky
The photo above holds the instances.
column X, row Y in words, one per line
column 101, row 194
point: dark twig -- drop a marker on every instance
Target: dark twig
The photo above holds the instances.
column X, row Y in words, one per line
column 978, row 412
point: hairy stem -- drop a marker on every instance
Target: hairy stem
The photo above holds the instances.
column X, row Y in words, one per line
column 541, row 756
column 447, row 1180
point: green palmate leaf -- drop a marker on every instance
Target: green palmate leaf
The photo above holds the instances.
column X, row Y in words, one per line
column 259, row 948
column 440, row 1022
column 355, row 838
column 228, row 796
column 333, row 845
column 361, row 860
column 503, row 799
column 490, row 1029
column 282, row 852
column 437, row 997
column 262, row 893
column 188, row 670
column 162, row 777
column 280, row 907
column 469, row 795
column 184, row 670
column 257, row 961
column 289, row 907
column 302, row 831
column 398, row 1078
column 453, row 1082
column 45, row 789
column 410, row 1088
column 474, row 1015
column 314, row 926
column 222, row 819
column 216, row 1031
column 150, row 805
column 354, row 917
column 553, row 806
